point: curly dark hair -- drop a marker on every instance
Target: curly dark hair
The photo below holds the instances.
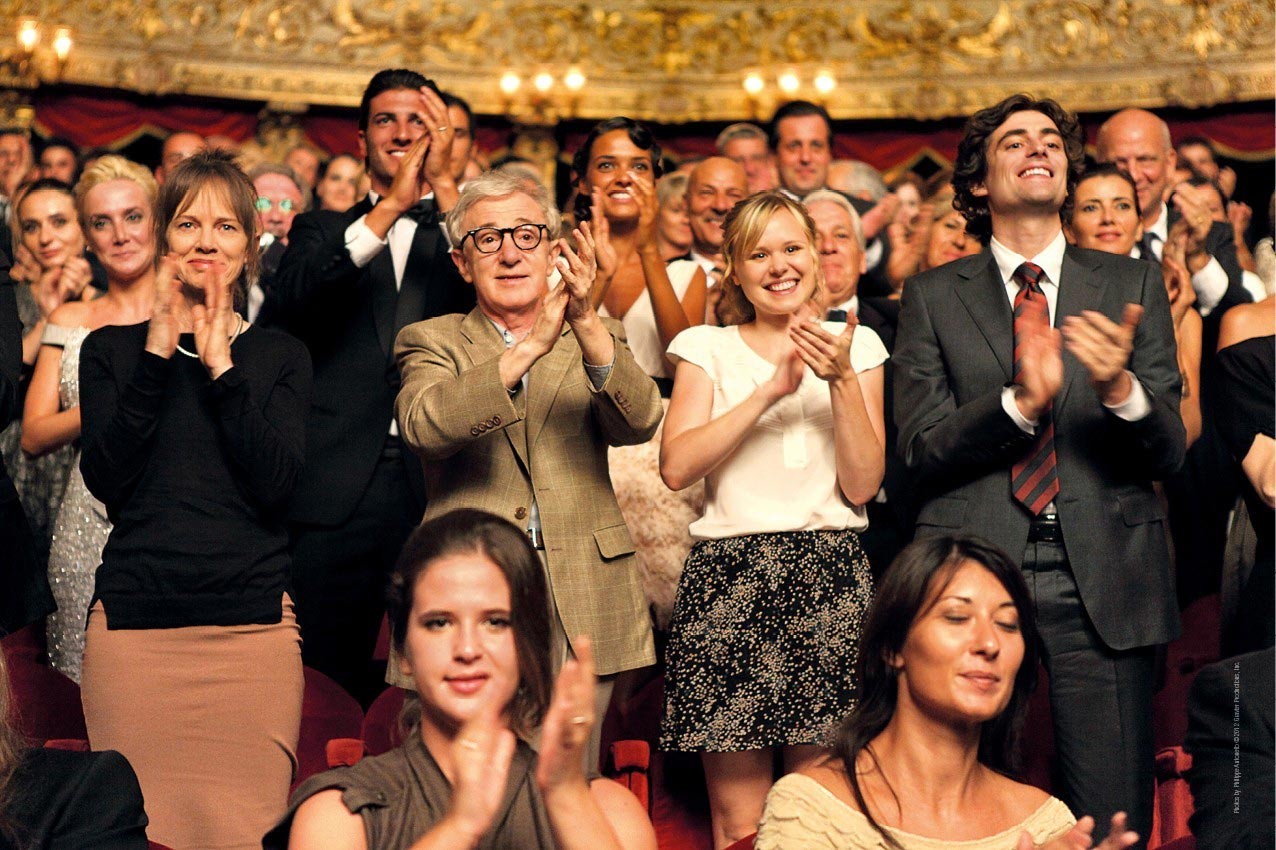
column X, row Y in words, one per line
column 912, row 583
column 971, row 168
column 639, row 134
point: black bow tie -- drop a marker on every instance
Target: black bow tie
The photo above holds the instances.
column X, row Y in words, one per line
column 423, row 212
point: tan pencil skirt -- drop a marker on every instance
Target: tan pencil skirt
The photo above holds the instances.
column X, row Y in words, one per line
column 207, row 715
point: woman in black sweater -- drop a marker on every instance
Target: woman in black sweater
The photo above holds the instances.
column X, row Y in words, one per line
column 193, row 431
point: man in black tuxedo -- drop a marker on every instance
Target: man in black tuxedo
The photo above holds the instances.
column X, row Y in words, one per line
column 346, row 285
column 1047, row 449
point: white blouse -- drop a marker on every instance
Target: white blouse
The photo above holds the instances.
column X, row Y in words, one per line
column 783, row 475
column 640, row 320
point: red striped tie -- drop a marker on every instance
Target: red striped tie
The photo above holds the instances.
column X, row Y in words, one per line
column 1035, row 479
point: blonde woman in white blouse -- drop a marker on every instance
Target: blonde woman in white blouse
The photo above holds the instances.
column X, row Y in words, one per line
column 782, row 418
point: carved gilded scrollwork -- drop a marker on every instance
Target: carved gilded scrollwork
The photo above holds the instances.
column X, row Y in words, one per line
column 680, row 60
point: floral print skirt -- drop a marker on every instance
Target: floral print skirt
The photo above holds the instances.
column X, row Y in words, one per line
column 763, row 642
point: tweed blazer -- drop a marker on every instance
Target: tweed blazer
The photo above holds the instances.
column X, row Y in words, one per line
column 481, row 447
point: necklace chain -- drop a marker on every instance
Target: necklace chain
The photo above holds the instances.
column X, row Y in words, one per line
column 235, row 335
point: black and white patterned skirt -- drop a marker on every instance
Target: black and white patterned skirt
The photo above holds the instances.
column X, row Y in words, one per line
column 763, row 642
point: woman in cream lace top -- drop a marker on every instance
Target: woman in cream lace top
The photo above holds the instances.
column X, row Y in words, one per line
column 947, row 663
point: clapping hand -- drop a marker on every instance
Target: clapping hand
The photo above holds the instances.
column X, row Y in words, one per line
column 579, row 271
column 1104, row 348
column 568, row 723
column 1040, row 370
column 787, row 377
column 163, row 331
column 440, row 135
column 828, row 355
column 213, row 327
column 481, row 756
column 604, row 251
column 648, row 207
column 59, row 284
column 1080, row 837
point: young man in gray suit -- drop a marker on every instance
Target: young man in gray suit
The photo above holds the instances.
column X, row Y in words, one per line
column 1036, row 393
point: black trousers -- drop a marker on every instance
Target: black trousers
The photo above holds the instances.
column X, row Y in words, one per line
column 339, row 577
column 1101, row 700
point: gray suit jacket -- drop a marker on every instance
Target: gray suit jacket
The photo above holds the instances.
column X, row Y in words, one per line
column 953, row 355
column 482, row 448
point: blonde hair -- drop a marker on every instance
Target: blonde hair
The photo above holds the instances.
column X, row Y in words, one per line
column 742, row 231
column 113, row 167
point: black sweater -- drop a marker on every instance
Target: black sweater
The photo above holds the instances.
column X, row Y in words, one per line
column 195, row 474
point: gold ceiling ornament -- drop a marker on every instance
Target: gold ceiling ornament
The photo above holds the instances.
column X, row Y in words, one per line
column 681, row 60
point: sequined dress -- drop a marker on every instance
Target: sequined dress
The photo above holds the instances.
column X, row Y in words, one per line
column 79, row 532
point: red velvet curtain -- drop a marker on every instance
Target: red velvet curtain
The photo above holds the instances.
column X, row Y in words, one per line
column 112, row 120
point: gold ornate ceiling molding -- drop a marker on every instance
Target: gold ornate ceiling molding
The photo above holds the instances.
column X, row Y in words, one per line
column 682, row 60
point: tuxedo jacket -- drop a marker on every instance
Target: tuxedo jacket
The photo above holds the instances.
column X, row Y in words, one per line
column 483, row 448
column 348, row 317
column 953, row 357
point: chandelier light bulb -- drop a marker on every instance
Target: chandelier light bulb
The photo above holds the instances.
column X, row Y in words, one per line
column 543, row 81
column 824, row 82
column 510, row 82
column 62, row 43
column 789, row 82
column 753, row 84
column 575, row 80
column 28, row 35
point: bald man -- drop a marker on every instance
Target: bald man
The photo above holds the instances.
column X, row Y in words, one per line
column 714, row 186
column 1138, row 143
column 177, row 147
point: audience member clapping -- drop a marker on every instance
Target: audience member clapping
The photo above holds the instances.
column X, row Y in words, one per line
column 470, row 613
column 193, row 429
column 115, row 200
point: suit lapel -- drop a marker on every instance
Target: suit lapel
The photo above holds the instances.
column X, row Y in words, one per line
column 1080, row 289
column 984, row 297
column 482, row 343
column 544, row 383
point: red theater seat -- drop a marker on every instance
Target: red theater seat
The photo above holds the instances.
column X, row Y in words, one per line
column 327, row 712
column 381, row 725
column 46, row 704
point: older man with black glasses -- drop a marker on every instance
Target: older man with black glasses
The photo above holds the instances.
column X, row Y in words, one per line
column 511, row 408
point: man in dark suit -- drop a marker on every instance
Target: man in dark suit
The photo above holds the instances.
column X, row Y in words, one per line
column 346, row 285
column 1230, row 724
column 840, row 238
column 801, row 139
column 1049, row 450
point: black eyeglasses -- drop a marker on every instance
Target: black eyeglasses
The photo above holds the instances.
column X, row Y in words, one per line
column 264, row 205
column 488, row 240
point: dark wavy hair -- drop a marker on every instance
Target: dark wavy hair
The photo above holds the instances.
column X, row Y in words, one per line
column 469, row 531
column 971, row 167
column 912, row 583
column 639, row 134
column 1105, row 169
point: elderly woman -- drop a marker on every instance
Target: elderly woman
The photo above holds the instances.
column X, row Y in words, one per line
column 115, row 199
column 193, row 425
column 946, row 666
column 470, row 612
